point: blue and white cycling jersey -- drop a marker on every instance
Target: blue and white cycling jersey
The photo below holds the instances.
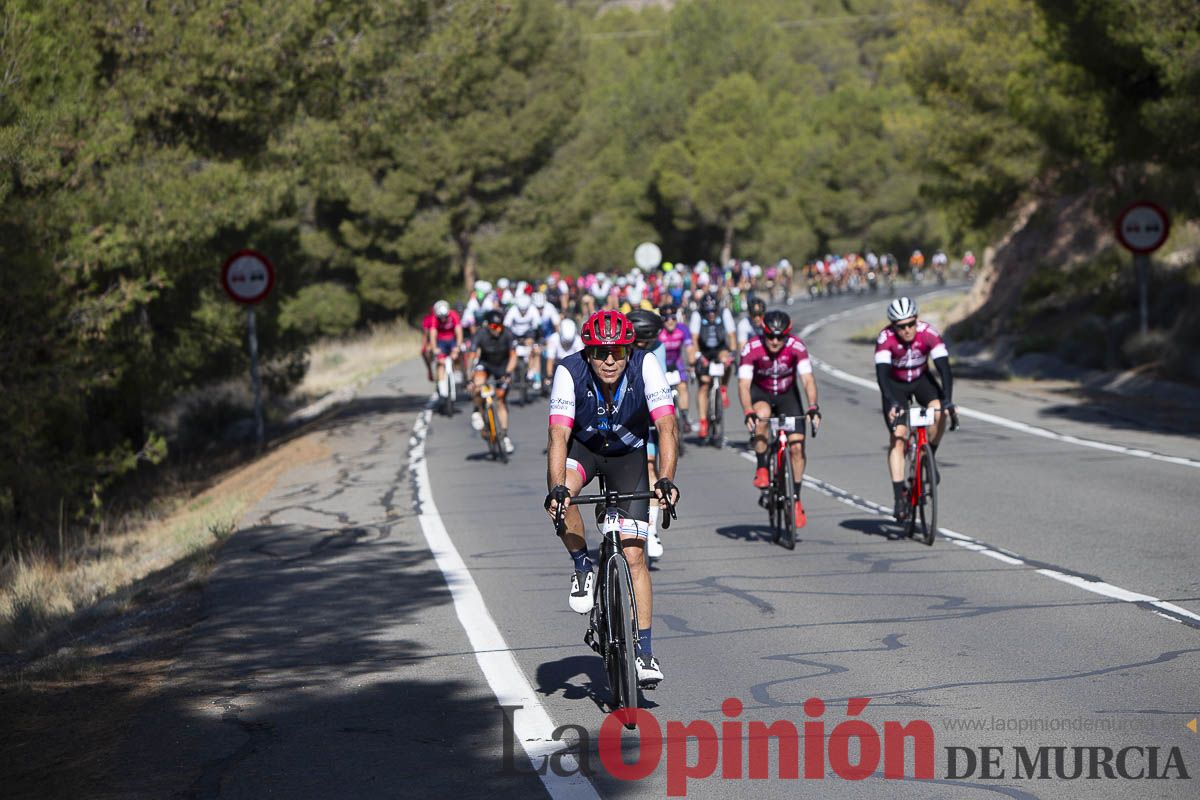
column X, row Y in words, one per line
column 615, row 428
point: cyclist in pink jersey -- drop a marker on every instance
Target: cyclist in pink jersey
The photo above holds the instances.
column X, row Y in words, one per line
column 773, row 366
column 677, row 341
column 903, row 351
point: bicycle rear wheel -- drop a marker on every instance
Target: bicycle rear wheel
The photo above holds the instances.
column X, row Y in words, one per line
column 773, row 501
column 620, row 658
column 926, row 511
column 786, row 503
column 714, row 414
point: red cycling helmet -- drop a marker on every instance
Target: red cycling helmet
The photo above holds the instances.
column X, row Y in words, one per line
column 607, row 327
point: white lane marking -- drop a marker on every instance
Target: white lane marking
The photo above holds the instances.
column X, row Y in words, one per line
column 1173, row 612
column 1004, row 422
column 532, row 724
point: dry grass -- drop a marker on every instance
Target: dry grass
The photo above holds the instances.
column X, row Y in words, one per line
column 40, row 596
column 336, row 363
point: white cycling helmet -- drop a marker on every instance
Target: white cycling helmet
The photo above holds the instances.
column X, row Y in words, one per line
column 523, row 301
column 566, row 331
column 634, row 295
column 539, row 300
column 441, row 308
column 901, row 308
column 502, row 283
column 482, row 286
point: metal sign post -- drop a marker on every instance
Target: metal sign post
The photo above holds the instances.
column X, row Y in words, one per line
column 248, row 278
column 1142, row 228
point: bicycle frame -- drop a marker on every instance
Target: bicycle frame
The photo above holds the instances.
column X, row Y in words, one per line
column 602, row 634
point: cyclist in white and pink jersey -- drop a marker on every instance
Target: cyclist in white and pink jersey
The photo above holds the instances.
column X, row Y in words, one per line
column 903, row 351
column 772, row 367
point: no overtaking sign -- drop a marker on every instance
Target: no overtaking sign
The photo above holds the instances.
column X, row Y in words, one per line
column 1143, row 227
column 248, row 277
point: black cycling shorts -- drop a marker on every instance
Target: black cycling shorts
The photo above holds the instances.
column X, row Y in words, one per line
column 787, row 404
column 627, row 473
column 495, row 372
column 925, row 389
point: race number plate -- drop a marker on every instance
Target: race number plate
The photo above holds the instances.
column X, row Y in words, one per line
column 716, row 369
column 523, row 351
column 920, row 417
column 783, row 424
column 673, row 377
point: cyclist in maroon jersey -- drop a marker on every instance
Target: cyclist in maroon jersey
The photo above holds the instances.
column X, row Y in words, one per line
column 772, row 368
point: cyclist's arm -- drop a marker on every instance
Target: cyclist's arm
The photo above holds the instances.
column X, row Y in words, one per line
column 745, row 379
column 512, row 360
column 662, row 411
column 562, row 421
column 943, row 368
column 882, row 377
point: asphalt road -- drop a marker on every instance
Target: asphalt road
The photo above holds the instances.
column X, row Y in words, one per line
column 334, row 660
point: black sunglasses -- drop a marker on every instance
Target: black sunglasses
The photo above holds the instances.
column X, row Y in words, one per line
column 619, row 352
column 905, row 326
column 770, row 335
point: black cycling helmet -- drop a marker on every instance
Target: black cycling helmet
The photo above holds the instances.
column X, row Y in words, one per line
column 668, row 310
column 646, row 326
column 709, row 304
column 777, row 323
column 757, row 306
column 493, row 317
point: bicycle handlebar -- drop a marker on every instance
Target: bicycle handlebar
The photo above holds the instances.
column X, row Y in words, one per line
column 611, row 499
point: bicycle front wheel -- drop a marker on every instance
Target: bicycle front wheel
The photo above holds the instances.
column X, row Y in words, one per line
column 787, row 509
column 926, row 511
column 772, row 495
column 620, row 658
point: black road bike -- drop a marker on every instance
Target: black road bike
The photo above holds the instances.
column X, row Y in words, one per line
column 612, row 629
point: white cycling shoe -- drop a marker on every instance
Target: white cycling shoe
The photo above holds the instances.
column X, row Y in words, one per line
column 477, row 420
column 583, row 591
column 508, row 445
column 649, row 672
column 654, row 546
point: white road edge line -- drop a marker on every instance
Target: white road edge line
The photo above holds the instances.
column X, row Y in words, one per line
column 532, row 724
column 1004, row 422
column 1173, row 612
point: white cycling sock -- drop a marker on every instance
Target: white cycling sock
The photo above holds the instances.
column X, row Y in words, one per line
column 654, row 509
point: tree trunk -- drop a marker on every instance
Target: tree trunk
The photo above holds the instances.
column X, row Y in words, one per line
column 727, row 247
column 467, row 249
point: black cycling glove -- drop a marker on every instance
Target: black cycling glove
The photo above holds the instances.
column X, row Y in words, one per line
column 665, row 486
column 558, row 494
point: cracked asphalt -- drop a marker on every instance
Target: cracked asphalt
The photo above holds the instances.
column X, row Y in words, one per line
column 330, row 662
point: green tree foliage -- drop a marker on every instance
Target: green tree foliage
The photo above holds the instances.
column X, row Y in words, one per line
column 383, row 154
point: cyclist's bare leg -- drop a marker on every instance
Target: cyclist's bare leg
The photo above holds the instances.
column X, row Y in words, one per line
column 502, row 411
column 761, row 430
column 895, row 457
column 796, row 450
column 682, row 388
column 477, row 381
column 427, row 357
column 939, row 429
column 703, row 382
column 441, row 370
column 635, row 553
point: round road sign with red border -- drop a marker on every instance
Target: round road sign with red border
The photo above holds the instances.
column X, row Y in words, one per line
column 1143, row 227
column 248, row 277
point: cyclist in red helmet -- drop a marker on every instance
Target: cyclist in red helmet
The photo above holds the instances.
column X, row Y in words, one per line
column 603, row 402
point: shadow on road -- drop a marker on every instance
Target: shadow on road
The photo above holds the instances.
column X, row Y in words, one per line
column 746, row 533
column 875, row 526
column 305, row 678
